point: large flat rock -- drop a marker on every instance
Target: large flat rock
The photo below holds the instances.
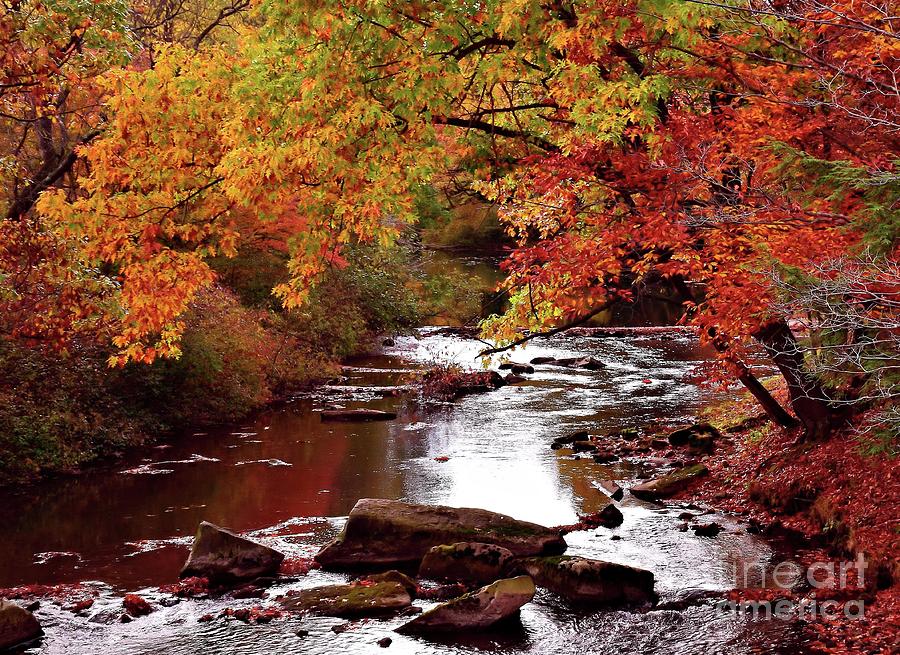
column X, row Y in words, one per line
column 356, row 415
column 386, row 533
column 17, row 625
column 224, row 557
column 355, row 599
column 465, row 562
column 589, row 580
column 478, row 610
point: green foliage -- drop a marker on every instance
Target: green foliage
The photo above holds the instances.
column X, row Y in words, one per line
column 875, row 192
column 58, row 412
column 472, row 226
column 880, row 442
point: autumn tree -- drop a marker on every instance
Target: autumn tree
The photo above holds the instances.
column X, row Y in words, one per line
column 631, row 145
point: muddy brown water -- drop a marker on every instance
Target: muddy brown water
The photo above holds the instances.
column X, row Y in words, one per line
column 290, row 480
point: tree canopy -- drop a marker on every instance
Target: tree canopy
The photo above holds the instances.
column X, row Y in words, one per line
column 699, row 150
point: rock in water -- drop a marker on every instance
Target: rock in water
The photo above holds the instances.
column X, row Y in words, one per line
column 351, row 415
column 589, row 580
column 562, row 442
column 609, row 516
column 17, row 625
column 700, row 437
column 385, row 533
column 611, row 489
column 395, row 576
column 478, row 610
column 355, row 599
column 670, row 484
column 465, row 562
column 224, row 557
column 707, row 529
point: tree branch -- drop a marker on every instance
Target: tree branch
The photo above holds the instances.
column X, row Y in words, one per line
column 547, row 333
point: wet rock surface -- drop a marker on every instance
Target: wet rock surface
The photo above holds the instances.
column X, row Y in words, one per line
column 17, row 625
column 351, row 415
column 465, row 562
column 611, row 489
column 588, row 580
column 479, row 610
column 355, row 599
column 385, row 533
column 224, row 557
column 669, row 485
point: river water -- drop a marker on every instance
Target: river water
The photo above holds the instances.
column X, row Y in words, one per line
column 290, row 480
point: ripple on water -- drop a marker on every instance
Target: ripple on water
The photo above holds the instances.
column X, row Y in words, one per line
column 499, row 459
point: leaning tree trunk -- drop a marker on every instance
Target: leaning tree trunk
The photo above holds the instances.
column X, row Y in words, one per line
column 772, row 407
column 808, row 399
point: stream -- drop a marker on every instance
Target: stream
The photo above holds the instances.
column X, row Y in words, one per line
column 290, row 480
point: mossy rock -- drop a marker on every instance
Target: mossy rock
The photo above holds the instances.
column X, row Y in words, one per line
column 17, row 625
column 226, row 558
column 362, row 598
column 465, row 562
column 588, row 580
column 670, row 484
column 388, row 533
column 479, row 610
column 395, row 576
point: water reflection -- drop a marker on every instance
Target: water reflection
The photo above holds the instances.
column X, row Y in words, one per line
column 286, row 473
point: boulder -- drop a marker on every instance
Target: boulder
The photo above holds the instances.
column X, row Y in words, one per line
column 354, row 415
column 465, row 562
column 562, row 442
column 611, row 489
column 699, row 437
column 395, row 576
column 478, row 610
column 383, row 533
column 588, row 363
column 224, row 557
column 522, row 369
column 669, row 485
column 478, row 382
column 513, row 378
column 707, row 529
column 589, row 580
column 609, row 516
column 592, row 364
column 605, row 457
column 584, row 446
column 361, row 598
column 543, row 360
column 17, row 625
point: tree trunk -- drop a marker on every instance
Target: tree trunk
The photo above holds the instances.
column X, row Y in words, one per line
column 772, row 407
column 763, row 397
column 808, row 400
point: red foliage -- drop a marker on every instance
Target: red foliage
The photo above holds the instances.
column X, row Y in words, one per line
column 59, row 592
column 81, row 605
column 251, row 614
column 850, row 502
column 298, row 565
column 135, row 605
column 187, row 588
